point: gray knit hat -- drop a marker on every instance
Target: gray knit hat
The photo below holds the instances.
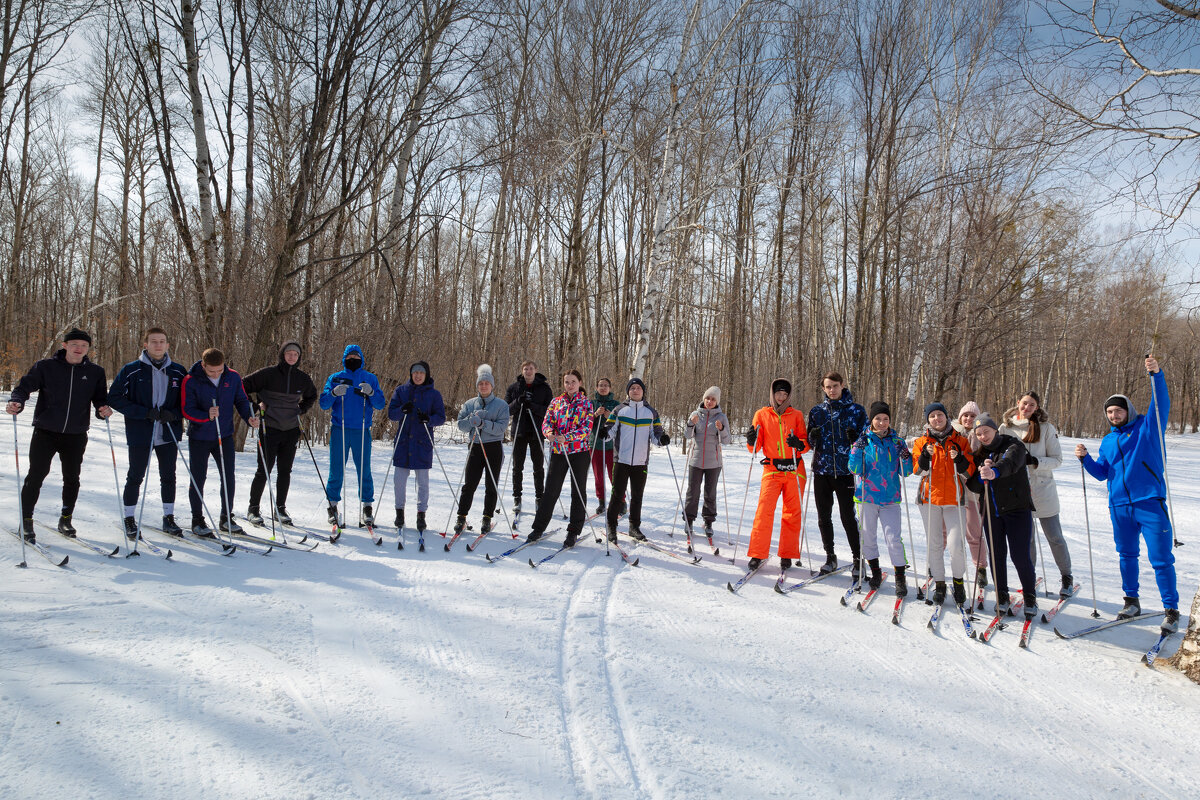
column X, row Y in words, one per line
column 985, row 420
column 714, row 392
column 484, row 373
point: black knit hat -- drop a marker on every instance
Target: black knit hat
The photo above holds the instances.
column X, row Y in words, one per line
column 781, row 385
column 631, row 382
column 879, row 407
column 1118, row 400
column 75, row 335
column 932, row 407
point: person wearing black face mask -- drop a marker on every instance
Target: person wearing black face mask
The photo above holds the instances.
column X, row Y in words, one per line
column 354, row 395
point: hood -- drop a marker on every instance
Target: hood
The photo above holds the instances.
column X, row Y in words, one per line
column 145, row 359
column 428, row 373
column 197, row 370
column 353, row 349
column 537, row 378
column 1133, row 412
column 714, row 410
column 287, row 344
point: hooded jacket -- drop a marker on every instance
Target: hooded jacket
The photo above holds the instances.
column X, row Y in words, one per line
column 773, row 429
column 940, row 481
column 1047, row 450
column 198, row 395
column 352, row 409
column 287, row 390
column 1130, row 458
column 608, row 402
column 64, row 391
column 569, row 416
column 414, row 444
column 132, row 394
column 515, row 397
column 1010, row 488
column 833, row 426
column 635, row 425
column 491, row 413
column 881, row 462
column 707, row 452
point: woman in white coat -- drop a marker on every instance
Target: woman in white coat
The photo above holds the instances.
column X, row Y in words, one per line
column 1029, row 423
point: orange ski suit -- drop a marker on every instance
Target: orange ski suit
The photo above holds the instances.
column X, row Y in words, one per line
column 778, row 478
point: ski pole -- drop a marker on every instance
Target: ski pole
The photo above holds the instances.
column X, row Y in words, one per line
column 192, row 479
column 687, row 528
column 487, row 465
column 20, row 500
column 575, row 487
column 454, row 499
column 116, row 483
column 142, row 507
column 545, row 456
column 959, row 502
column 802, row 489
column 725, row 495
column 342, row 482
column 987, row 508
column 320, row 477
column 262, row 458
column 221, row 472
column 1162, row 449
column 907, row 512
column 1088, row 524
column 745, row 497
column 395, row 448
column 1041, row 556
column 362, row 462
column 927, row 522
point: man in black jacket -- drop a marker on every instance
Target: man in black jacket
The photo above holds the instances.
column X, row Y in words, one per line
column 284, row 392
column 528, row 397
column 147, row 392
column 66, row 384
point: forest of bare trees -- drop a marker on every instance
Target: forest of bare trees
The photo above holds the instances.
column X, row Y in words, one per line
column 705, row 193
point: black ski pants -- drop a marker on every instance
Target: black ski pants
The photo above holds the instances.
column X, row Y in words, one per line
column 635, row 478
column 279, row 451
column 531, row 446
column 1011, row 535
column 825, row 488
column 43, row 447
column 139, row 463
column 476, row 464
column 578, row 464
column 199, row 451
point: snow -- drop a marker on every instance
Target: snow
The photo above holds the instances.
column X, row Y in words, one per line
column 356, row 671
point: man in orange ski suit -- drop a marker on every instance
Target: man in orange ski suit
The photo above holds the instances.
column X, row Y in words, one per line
column 778, row 432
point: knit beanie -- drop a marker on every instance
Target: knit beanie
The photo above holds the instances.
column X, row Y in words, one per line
column 639, row 382
column 781, row 385
column 1118, row 400
column 713, row 392
column 292, row 346
column 877, row 408
column 484, row 373
column 985, row 420
column 935, row 406
column 77, row 335
column 970, row 406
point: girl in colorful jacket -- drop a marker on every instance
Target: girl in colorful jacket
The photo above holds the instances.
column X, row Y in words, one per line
column 567, row 428
column 940, row 456
column 709, row 428
column 881, row 459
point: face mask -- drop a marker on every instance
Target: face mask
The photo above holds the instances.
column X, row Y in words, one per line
column 353, row 363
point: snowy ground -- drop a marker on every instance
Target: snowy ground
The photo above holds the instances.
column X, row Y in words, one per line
column 356, row 671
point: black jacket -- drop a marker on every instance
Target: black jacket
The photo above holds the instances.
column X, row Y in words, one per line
column 1010, row 488
column 287, row 390
column 64, row 392
column 542, row 395
column 132, row 394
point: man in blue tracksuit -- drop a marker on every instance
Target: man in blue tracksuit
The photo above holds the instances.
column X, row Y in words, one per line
column 1131, row 460
column 148, row 392
column 212, row 393
column 354, row 395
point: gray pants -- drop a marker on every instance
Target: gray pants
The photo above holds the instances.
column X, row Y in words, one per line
column 888, row 516
column 422, row 476
column 709, row 477
column 1058, row 545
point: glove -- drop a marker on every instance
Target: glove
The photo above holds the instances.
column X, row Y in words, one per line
column 861, row 441
column 364, row 390
column 664, row 440
column 476, row 420
column 794, row 441
column 606, row 426
column 340, row 390
column 527, row 397
column 166, row 416
column 751, row 436
column 1031, row 460
column 903, row 452
column 422, row 416
column 407, row 408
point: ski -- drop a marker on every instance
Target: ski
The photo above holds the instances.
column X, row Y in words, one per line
column 734, row 587
column 1026, row 631
column 664, row 550
column 282, row 537
column 866, row 601
column 220, row 548
column 814, row 578
column 935, row 617
column 475, row 542
column 250, row 537
column 43, row 550
column 369, row 527
column 1017, row 605
column 855, row 585
column 923, row 588
column 455, row 538
column 510, row 551
column 1062, row 600
column 1152, row 654
column 896, row 610
column 966, row 621
column 151, row 546
column 95, row 548
column 716, row 550
column 1103, row 626
column 625, row 555
column 782, row 577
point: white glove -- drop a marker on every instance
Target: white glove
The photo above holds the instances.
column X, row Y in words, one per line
column 340, row 389
column 365, row 389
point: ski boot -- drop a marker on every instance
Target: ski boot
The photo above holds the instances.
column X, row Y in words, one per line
column 960, row 592
column 572, row 538
column 460, row 524
column 65, row 527
column 368, row 515
column 755, row 563
column 1067, row 583
column 1133, row 608
column 170, row 528
column 856, row 570
column 1003, row 604
column 199, row 528
column 1031, row 609
column 399, row 518
column 516, row 505
column 254, row 516
column 600, row 508
column 230, row 526
column 27, row 530
column 981, row 577
column 829, row 566
column 635, row 532
column 332, row 515
column 485, row 525
column 421, row 521
column 131, row 529
column 901, row 583
column 283, row 516
column 612, row 533
column 939, row 592
column 785, row 563
column 1171, row 621
column 876, row 579
column 708, row 531
column 534, row 535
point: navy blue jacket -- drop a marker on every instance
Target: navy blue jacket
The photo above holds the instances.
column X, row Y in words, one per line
column 64, row 391
column 198, row 394
column 414, row 449
column 833, row 427
column 132, row 394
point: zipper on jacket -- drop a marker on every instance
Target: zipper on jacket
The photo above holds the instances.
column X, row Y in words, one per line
column 70, row 394
column 704, row 441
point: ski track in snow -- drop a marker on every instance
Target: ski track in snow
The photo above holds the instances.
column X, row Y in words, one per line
column 362, row 672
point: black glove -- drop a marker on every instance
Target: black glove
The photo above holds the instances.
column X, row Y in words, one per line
column 751, row 436
column 861, row 441
column 1031, row 460
column 421, row 415
column 167, row 416
column 664, row 440
column 407, row 408
column 794, row 441
column 605, row 427
column 527, row 397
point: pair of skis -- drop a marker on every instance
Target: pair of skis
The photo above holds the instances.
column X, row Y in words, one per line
column 1148, row 658
column 1017, row 606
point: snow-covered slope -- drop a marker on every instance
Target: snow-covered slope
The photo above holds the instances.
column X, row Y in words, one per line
column 356, row 671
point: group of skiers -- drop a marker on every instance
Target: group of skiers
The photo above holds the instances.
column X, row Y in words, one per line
column 982, row 481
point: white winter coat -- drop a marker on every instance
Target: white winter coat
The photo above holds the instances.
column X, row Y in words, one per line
column 1048, row 451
